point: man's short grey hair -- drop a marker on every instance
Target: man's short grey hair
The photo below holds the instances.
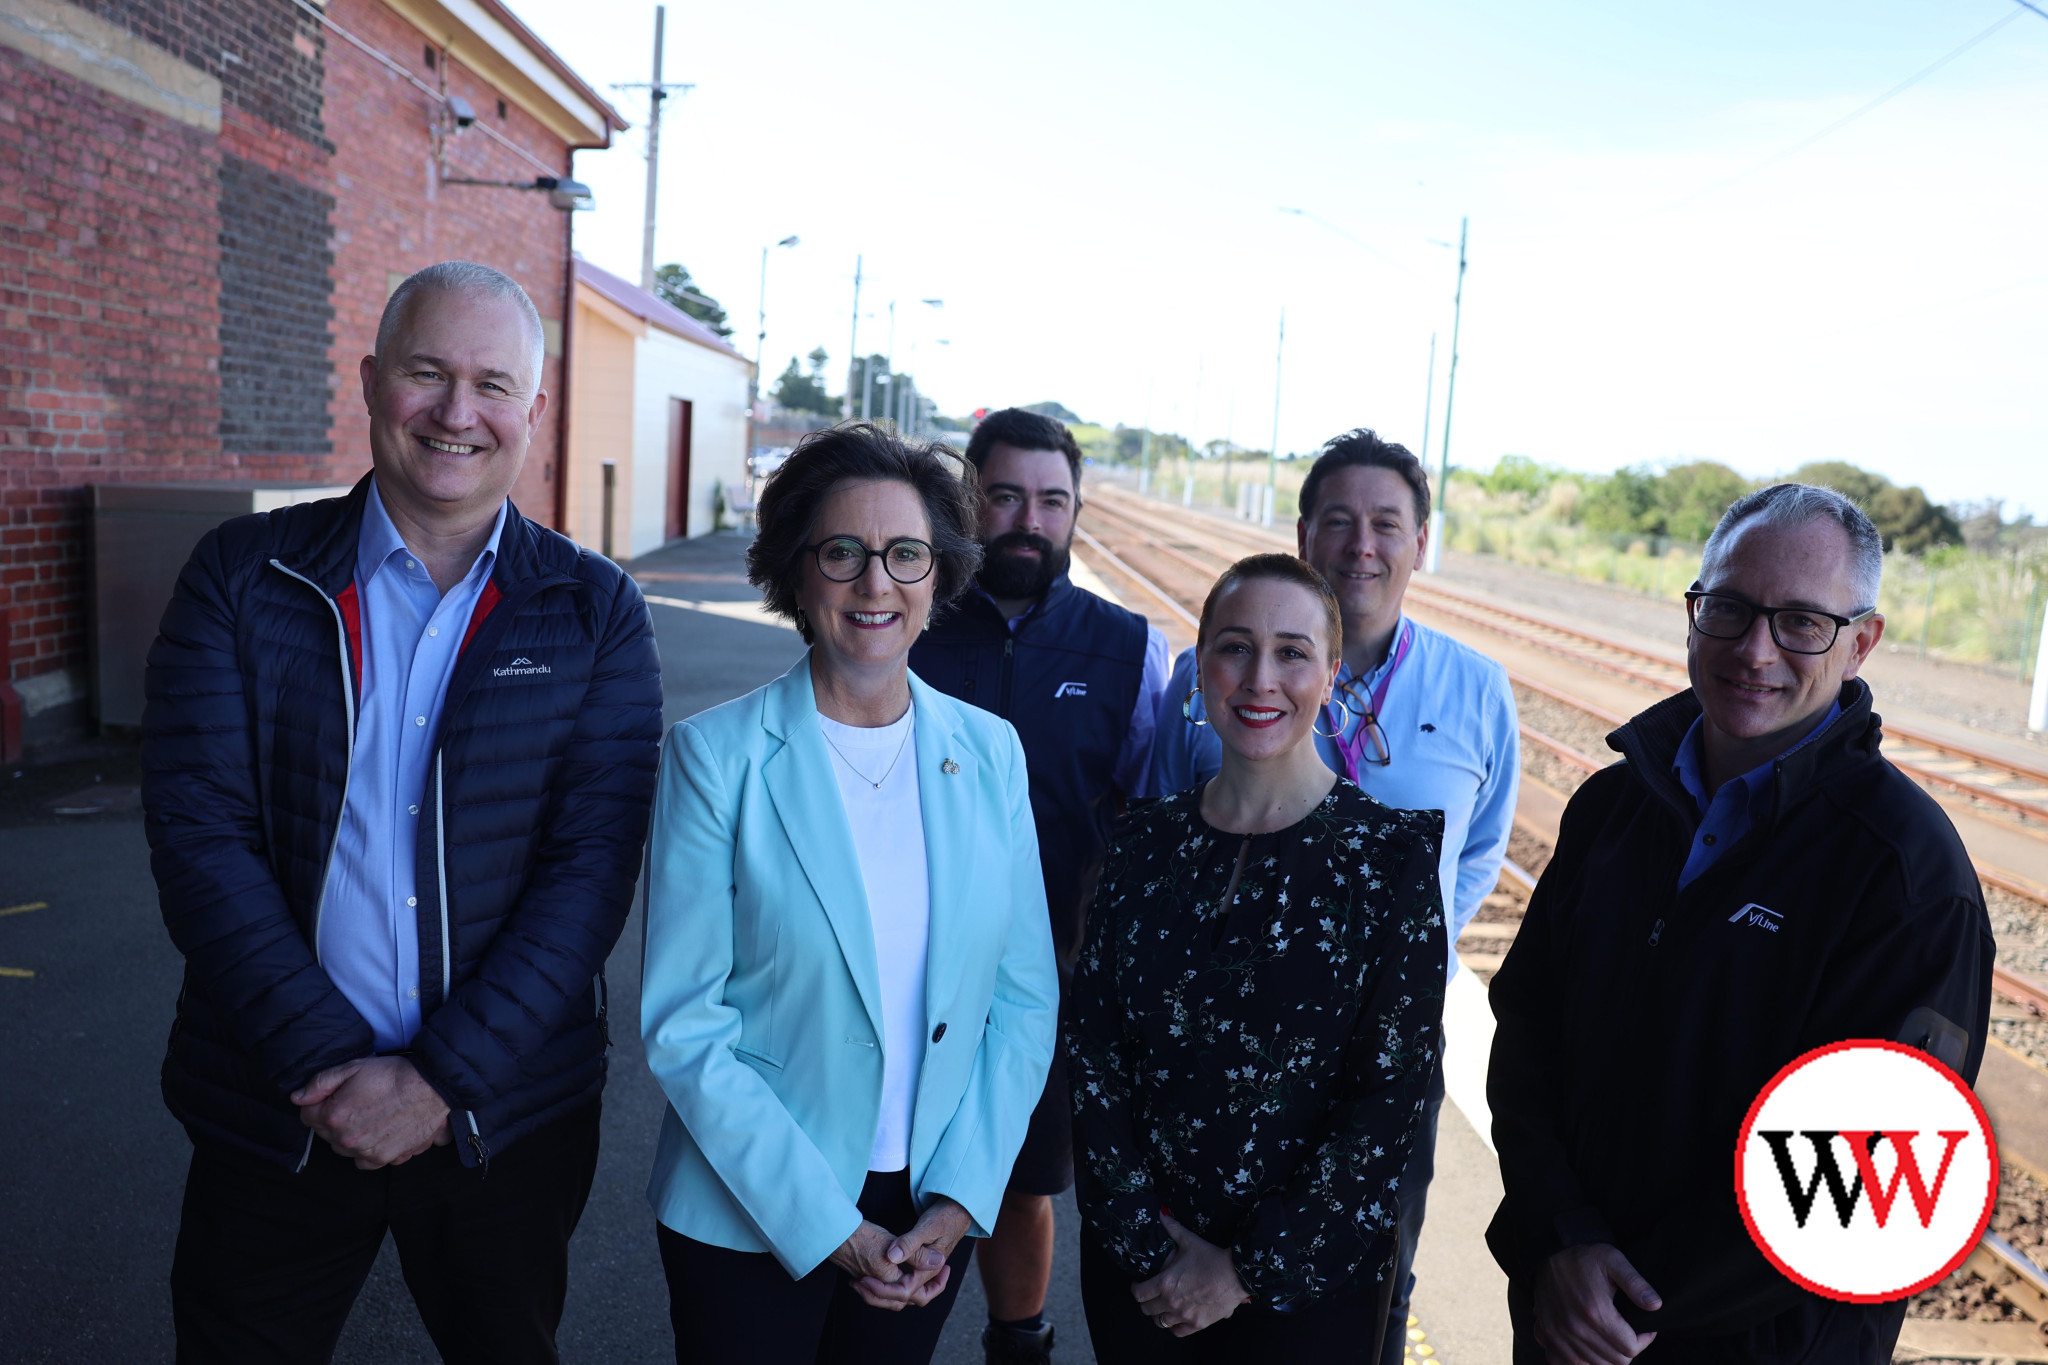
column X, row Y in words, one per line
column 1795, row 504
column 459, row 277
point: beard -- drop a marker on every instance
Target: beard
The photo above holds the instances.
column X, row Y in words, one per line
column 1008, row 576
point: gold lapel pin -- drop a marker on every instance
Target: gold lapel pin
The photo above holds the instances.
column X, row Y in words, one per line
column 949, row 767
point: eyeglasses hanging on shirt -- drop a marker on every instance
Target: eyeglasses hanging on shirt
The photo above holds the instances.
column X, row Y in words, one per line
column 1367, row 742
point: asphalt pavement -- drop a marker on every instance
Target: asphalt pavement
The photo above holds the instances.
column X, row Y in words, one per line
column 94, row 1166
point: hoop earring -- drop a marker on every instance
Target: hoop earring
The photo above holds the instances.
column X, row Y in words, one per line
column 803, row 627
column 1320, row 712
column 1187, row 705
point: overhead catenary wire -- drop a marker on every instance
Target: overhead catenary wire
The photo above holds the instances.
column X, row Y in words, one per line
column 1922, row 74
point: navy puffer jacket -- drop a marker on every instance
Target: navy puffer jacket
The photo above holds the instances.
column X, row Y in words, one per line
column 532, row 825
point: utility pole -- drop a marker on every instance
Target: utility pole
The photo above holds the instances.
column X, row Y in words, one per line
column 656, row 93
column 853, row 345
column 1273, row 455
column 1443, row 478
column 1436, row 505
column 889, row 365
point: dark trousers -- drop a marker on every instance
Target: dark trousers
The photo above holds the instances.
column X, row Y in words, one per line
column 1335, row 1330
column 743, row 1306
column 269, row 1261
column 1414, row 1197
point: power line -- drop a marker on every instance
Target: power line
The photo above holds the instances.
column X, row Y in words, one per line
column 1852, row 116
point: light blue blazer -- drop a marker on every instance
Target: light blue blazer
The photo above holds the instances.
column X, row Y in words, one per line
column 760, row 1001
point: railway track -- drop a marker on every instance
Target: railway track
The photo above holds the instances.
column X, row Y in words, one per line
column 2009, row 785
column 1174, row 558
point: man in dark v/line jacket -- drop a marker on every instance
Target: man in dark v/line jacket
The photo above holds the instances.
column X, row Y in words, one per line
column 398, row 755
column 1754, row 881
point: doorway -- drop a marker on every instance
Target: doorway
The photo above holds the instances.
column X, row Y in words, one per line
column 678, row 468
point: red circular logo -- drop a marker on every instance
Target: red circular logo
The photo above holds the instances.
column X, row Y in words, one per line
column 1866, row 1171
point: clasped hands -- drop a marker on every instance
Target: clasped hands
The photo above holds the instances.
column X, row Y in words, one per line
column 909, row 1271
column 377, row 1112
column 1198, row 1287
column 1576, row 1320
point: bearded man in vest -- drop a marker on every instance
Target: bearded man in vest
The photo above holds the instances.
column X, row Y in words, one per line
column 1079, row 677
column 1752, row 882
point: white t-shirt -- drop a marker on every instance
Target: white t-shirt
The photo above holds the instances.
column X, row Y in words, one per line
column 888, row 836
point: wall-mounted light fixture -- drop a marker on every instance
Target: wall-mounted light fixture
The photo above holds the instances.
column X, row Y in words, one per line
column 563, row 193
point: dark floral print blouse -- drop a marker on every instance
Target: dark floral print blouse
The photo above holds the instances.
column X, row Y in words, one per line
column 1258, row 1069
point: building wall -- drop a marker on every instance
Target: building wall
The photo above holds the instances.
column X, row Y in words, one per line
column 109, row 327
column 601, row 423
column 203, row 207
column 669, row 367
column 394, row 215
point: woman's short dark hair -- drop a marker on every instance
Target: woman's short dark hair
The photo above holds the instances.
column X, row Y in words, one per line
column 1362, row 446
column 1277, row 568
column 862, row 452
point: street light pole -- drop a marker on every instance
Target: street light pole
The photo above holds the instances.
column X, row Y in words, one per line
column 852, row 345
column 1273, row 454
column 1443, row 478
column 1436, row 506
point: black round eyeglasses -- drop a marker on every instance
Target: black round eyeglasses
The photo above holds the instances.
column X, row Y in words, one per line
column 843, row 559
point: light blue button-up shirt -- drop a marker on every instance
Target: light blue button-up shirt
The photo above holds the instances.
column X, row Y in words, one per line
column 1456, row 744
column 369, row 936
column 1729, row 813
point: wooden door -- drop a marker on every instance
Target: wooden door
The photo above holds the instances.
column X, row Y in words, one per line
column 678, row 468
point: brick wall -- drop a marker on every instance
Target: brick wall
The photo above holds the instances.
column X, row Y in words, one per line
column 109, row 330
column 179, row 303
column 392, row 215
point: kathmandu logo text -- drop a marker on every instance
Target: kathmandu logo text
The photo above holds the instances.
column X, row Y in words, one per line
column 1866, row 1171
column 521, row 667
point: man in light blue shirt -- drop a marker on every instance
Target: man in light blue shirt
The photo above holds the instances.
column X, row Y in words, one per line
column 1421, row 721
column 411, row 635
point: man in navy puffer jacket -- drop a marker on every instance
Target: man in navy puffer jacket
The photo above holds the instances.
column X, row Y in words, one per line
column 399, row 754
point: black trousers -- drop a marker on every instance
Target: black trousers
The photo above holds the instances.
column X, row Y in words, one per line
column 1335, row 1330
column 1413, row 1203
column 269, row 1261
column 729, row 1306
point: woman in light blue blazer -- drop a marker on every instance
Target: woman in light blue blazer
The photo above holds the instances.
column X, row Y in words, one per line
column 848, row 995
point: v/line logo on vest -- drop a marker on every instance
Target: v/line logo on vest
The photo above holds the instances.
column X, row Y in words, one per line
column 1865, row 1122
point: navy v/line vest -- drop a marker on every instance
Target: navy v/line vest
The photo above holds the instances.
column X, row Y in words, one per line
column 1067, row 678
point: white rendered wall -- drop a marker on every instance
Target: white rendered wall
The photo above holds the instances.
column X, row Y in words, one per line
column 715, row 384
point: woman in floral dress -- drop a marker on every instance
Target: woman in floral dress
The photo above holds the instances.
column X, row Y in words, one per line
column 1255, row 1016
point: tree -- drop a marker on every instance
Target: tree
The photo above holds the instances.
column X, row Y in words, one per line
column 1624, row 501
column 673, row 285
column 1693, row 496
column 1905, row 517
column 806, row 392
column 1859, row 486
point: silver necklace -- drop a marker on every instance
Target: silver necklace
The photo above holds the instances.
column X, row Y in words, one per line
column 874, row 782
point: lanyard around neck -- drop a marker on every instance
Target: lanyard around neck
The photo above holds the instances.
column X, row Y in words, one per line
column 1352, row 750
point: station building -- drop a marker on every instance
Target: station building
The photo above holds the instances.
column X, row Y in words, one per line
column 207, row 203
column 658, row 426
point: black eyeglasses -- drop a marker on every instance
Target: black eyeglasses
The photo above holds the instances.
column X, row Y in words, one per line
column 843, row 559
column 1798, row 630
column 1373, row 746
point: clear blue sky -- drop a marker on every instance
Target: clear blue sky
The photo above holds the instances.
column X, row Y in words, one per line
column 1093, row 189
